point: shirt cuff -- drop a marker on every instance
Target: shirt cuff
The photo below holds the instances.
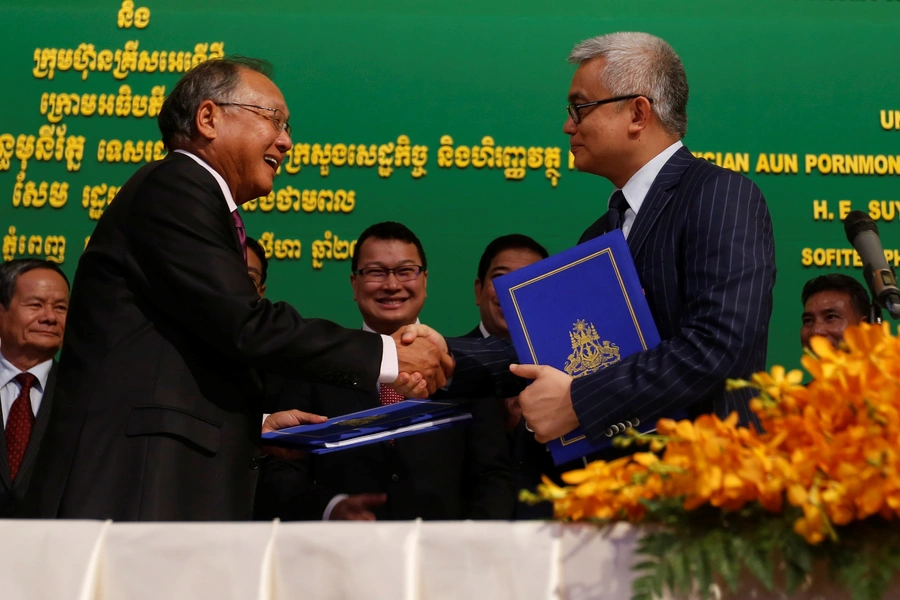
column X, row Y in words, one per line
column 326, row 516
column 265, row 416
column 390, row 365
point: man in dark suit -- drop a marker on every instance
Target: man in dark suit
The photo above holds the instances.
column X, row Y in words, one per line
column 34, row 300
column 531, row 459
column 158, row 404
column 701, row 239
column 463, row 472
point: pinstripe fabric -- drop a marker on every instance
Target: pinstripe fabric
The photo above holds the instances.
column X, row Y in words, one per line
column 705, row 254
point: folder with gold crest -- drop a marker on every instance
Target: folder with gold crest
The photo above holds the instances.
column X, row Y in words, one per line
column 580, row 311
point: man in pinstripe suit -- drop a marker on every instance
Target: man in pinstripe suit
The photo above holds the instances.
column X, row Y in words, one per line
column 702, row 242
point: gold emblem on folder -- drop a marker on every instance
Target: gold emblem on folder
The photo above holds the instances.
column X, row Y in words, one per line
column 589, row 353
column 359, row 422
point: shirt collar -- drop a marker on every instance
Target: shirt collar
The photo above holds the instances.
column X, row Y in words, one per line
column 370, row 330
column 483, row 329
column 8, row 372
column 225, row 191
column 635, row 190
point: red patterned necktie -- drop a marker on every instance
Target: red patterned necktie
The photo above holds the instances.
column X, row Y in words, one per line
column 242, row 233
column 19, row 424
column 387, row 395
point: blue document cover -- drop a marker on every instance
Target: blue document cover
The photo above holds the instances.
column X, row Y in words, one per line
column 579, row 311
column 410, row 417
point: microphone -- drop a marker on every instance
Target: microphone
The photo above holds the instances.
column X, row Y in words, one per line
column 862, row 233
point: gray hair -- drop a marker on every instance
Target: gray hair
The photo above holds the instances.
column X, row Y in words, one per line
column 10, row 271
column 640, row 63
column 215, row 80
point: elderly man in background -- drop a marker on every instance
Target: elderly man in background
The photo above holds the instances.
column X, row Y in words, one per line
column 34, row 301
column 158, row 397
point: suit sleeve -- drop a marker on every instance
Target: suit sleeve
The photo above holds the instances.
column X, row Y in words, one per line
column 181, row 241
column 482, row 368
column 287, row 489
column 490, row 484
column 726, row 301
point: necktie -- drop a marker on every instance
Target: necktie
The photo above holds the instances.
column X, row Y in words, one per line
column 387, row 395
column 19, row 424
column 242, row 234
column 617, row 207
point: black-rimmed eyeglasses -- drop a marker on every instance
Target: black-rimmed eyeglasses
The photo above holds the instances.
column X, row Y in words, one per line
column 278, row 118
column 574, row 109
column 380, row 274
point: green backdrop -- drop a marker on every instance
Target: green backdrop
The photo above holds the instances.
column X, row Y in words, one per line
column 811, row 83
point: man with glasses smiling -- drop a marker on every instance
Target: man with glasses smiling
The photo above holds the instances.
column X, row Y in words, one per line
column 158, row 397
column 464, row 472
column 701, row 239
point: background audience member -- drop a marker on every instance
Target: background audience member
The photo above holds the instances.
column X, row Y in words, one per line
column 503, row 255
column 831, row 303
column 34, row 300
column 257, row 265
column 531, row 459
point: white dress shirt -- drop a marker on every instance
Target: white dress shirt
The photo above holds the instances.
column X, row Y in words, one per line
column 483, row 329
column 635, row 190
column 389, row 364
column 11, row 388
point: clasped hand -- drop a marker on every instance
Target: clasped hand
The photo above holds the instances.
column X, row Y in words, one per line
column 424, row 360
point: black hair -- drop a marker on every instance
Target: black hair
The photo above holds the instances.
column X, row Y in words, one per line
column 507, row 242
column 388, row 230
column 835, row 282
column 10, row 271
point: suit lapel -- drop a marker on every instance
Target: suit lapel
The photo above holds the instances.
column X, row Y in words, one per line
column 658, row 197
column 192, row 164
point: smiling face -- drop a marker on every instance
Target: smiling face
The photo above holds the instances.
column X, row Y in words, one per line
column 246, row 144
column 828, row 313
column 32, row 327
column 486, row 296
column 388, row 305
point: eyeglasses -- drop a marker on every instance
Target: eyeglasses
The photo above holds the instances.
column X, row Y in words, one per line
column 278, row 118
column 575, row 108
column 380, row 274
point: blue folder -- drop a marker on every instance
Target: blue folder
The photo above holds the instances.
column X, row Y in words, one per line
column 579, row 311
column 393, row 421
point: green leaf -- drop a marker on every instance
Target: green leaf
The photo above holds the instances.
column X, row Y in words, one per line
column 759, row 564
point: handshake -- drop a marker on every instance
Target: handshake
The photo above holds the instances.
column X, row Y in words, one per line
column 423, row 359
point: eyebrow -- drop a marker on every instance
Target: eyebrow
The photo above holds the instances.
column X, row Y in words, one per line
column 378, row 263
column 575, row 96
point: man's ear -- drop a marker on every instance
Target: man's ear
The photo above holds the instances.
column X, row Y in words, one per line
column 207, row 119
column 641, row 113
column 478, row 288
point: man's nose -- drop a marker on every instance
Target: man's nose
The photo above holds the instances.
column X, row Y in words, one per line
column 569, row 127
column 283, row 142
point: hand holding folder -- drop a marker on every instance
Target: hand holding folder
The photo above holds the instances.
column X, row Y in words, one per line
column 547, row 402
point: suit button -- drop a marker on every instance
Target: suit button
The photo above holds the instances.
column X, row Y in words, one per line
column 395, row 478
column 254, row 463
